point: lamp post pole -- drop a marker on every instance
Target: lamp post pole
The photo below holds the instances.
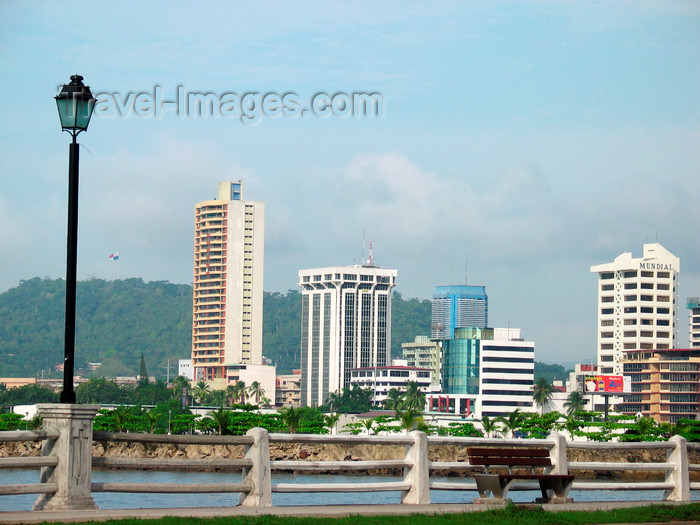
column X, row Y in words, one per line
column 68, row 393
column 75, row 105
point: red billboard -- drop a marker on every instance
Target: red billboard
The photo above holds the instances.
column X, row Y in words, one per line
column 604, row 384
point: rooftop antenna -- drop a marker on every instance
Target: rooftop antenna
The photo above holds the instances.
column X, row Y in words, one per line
column 362, row 259
column 370, row 261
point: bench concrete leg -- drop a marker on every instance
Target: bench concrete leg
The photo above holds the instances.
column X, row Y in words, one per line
column 487, row 484
column 555, row 491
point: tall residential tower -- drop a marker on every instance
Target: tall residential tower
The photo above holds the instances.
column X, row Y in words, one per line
column 228, row 284
column 637, row 305
column 345, row 324
column 693, row 305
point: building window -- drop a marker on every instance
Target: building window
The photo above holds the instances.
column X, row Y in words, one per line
column 663, row 275
column 606, row 311
column 608, row 322
column 630, row 297
column 631, row 310
column 629, row 275
column 630, row 333
column 607, row 275
column 607, row 299
column 607, row 287
column 630, row 286
column 630, row 322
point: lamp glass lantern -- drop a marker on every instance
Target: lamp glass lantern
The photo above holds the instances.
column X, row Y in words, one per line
column 75, row 105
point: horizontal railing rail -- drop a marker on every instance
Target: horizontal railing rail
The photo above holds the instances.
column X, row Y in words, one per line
column 28, row 462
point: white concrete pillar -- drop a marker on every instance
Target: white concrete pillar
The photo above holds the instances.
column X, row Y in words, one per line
column 680, row 475
column 557, row 454
column 418, row 474
column 72, row 475
column 258, row 476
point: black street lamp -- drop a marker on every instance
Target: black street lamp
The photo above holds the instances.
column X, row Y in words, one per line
column 75, row 105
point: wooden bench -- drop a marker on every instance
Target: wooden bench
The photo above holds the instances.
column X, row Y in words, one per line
column 529, row 464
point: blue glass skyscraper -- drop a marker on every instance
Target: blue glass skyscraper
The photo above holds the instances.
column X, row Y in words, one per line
column 458, row 306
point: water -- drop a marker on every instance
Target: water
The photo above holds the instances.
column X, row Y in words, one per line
column 116, row 500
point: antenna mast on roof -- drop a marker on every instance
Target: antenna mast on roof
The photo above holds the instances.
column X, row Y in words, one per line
column 370, row 261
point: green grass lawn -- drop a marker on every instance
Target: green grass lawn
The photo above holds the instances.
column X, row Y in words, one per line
column 510, row 515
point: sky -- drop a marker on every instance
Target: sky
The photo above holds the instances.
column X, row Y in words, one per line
column 513, row 144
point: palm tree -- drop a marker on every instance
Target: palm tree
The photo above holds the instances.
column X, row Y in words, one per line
column 237, row 393
column 220, row 419
column 571, row 425
column 256, row 390
column 333, row 401
column 574, row 403
column 410, row 418
column 413, row 398
column 330, row 420
column 489, row 425
column 121, row 416
column 292, row 418
column 200, row 391
column 542, row 393
column 152, row 420
column 180, row 383
column 511, row 423
column 393, row 399
column 369, row 425
column 265, row 401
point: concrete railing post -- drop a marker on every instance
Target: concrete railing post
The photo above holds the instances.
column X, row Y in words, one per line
column 557, row 454
column 680, row 475
column 73, row 473
column 258, row 477
column 418, row 475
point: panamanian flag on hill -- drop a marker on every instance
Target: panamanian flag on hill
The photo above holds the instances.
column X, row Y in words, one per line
column 114, row 256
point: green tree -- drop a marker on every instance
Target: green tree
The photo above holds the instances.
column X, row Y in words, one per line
column 489, row 425
column 330, row 421
column 368, row 425
column 413, row 398
column 121, row 414
column 200, row 391
column 542, row 393
column 511, row 423
column 292, row 418
column 179, row 384
column 410, row 418
column 101, row 390
column 220, row 419
column 257, row 391
column 393, row 399
column 143, row 373
column 574, row 402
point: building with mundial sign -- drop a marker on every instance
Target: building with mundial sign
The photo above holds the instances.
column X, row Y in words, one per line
column 637, row 305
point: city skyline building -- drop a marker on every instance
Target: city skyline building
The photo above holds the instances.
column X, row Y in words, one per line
column 637, row 305
column 487, row 372
column 345, row 324
column 693, row 305
column 664, row 384
column 228, row 284
column 458, row 306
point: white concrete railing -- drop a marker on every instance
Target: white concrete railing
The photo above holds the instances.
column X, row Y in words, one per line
column 66, row 463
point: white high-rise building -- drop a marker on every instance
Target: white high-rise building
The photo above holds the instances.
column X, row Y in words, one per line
column 693, row 305
column 637, row 305
column 345, row 324
column 228, row 284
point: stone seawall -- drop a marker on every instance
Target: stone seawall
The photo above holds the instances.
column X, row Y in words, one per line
column 341, row 452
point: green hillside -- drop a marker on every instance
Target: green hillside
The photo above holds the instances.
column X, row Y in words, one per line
column 118, row 320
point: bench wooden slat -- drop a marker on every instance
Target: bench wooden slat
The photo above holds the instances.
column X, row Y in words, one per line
column 505, row 462
column 509, row 452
